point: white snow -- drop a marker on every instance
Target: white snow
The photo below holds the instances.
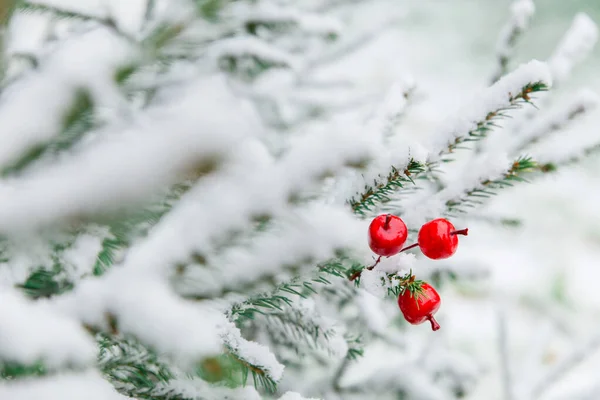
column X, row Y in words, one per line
column 82, row 255
column 199, row 389
column 574, row 47
column 89, row 385
column 150, row 310
column 372, row 311
column 113, row 169
column 53, row 86
column 254, row 353
column 375, row 282
column 32, row 332
column 312, row 233
column 558, row 118
column 521, row 13
column 295, row 396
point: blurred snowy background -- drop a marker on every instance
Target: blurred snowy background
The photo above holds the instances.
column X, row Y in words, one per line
column 550, row 263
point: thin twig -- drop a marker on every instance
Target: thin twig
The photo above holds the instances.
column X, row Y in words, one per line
column 567, row 365
column 504, row 358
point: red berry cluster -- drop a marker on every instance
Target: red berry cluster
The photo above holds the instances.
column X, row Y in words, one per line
column 438, row 239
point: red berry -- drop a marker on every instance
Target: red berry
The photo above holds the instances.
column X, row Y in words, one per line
column 438, row 239
column 421, row 306
column 387, row 235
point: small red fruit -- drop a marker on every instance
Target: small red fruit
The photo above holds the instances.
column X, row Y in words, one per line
column 438, row 239
column 387, row 235
column 421, row 306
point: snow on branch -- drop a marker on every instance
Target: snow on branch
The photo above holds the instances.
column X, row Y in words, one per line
column 132, row 368
column 485, row 188
column 255, row 358
column 269, row 16
column 574, row 47
column 30, row 124
column 280, row 296
column 254, row 186
column 521, row 12
column 468, row 188
column 307, row 236
column 475, row 118
column 90, row 386
column 113, row 170
column 149, row 310
column 399, row 158
column 301, row 327
column 583, row 103
column 82, row 11
column 236, row 54
column 33, row 332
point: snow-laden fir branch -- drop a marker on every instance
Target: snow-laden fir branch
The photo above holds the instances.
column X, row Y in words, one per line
column 103, row 18
column 264, row 18
column 300, row 330
column 521, row 12
column 133, row 369
column 487, row 187
column 476, row 118
column 583, row 103
column 279, row 297
column 256, row 360
column 574, row 47
column 472, row 122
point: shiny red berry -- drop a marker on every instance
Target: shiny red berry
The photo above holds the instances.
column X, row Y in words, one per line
column 418, row 307
column 438, row 239
column 387, row 235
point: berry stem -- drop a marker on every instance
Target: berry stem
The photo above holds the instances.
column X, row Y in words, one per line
column 357, row 273
column 386, row 225
column 409, row 247
column 434, row 324
column 464, row 232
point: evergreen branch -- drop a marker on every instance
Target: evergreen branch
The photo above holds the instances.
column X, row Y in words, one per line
column 486, row 189
column 132, row 368
column 355, row 348
column 260, row 377
column 587, row 152
column 76, row 122
column 521, row 13
column 278, row 298
column 14, row 370
column 296, row 329
column 382, row 189
column 489, row 122
column 513, row 35
column 584, row 102
column 43, row 284
column 62, row 13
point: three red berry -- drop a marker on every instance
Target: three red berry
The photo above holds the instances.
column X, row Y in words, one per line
column 420, row 306
column 437, row 239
